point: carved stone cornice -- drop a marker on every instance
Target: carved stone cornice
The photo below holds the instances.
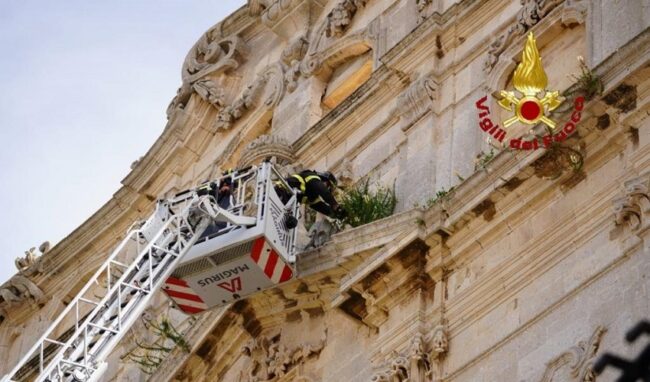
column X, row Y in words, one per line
column 633, row 209
column 579, row 359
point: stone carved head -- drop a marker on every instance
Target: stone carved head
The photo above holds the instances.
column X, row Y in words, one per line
column 440, row 343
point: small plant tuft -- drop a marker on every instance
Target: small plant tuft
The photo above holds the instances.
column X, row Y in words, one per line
column 483, row 158
column 364, row 205
column 440, row 196
column 588, row 83
column 149, row 356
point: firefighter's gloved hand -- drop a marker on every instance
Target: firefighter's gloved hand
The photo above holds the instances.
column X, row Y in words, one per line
column 340, row 213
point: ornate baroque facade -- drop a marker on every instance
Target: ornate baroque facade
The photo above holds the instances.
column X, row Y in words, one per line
column 526, row 271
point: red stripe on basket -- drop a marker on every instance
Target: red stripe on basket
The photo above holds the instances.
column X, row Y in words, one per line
column 257, row 249
column 270, row 264
column 286, row 274
column 190, row 309
column 175, row 281
column 184, row 296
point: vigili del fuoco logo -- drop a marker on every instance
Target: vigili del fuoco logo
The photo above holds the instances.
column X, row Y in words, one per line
column 530, row 104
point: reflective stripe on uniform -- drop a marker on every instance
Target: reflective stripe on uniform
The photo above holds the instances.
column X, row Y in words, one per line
column 303, row 184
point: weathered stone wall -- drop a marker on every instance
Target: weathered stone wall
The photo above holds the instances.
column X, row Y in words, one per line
column 526, row 271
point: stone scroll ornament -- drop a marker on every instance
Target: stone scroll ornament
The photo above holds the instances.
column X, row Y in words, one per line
column 530, row 104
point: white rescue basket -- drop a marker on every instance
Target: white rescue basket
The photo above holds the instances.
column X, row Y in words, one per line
column 248, row 249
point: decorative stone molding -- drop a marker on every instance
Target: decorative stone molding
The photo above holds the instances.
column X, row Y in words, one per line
column 270, row 359
column 340, row 17
column 531, row 13
column 267, row 146
column 271, row 80
column 32, row 264
column 633, row 209
column 579, row 359
column 416, row 101
column 210, row 92
column 413, row 365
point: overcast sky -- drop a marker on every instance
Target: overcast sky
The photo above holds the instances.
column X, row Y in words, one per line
column 84, row 89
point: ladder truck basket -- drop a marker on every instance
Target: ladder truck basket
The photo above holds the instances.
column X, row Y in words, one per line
column 246, row 250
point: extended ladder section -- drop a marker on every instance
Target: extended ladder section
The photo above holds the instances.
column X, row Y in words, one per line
column 76, row 345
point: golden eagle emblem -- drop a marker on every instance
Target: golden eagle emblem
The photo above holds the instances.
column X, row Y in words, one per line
column 530, row 80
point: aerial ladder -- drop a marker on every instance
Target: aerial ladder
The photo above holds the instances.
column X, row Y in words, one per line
column 200, row 252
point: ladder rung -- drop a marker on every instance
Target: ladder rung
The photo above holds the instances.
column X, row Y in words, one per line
column 77, row 364
column 102, row 328
column 89, row 301
column 119, row 263
column 54, row 342
column 134, row 287
column 161, row 249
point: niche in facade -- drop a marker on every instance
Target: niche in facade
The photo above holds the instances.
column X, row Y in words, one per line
column 346, row 78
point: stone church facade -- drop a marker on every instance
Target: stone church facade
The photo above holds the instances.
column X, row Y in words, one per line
column 498, row 264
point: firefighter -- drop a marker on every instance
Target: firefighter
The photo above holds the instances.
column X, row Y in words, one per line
column 221, row 192
column 315, row 190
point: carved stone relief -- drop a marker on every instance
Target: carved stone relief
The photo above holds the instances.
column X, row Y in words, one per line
column 291, row 58
column 286, row 18
column 340, row 17
column 17, row 290
column 270, row 359
column 211, row 55
column 439, row 342
column 32, row 264
column 412, row 365
column 415, row 101
column 267, row 146
column 269, row 83
column 578, row 361
column 574, row 12
column 210, row 92
column 532, row 11
column 424, row 9
column 633, row 209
